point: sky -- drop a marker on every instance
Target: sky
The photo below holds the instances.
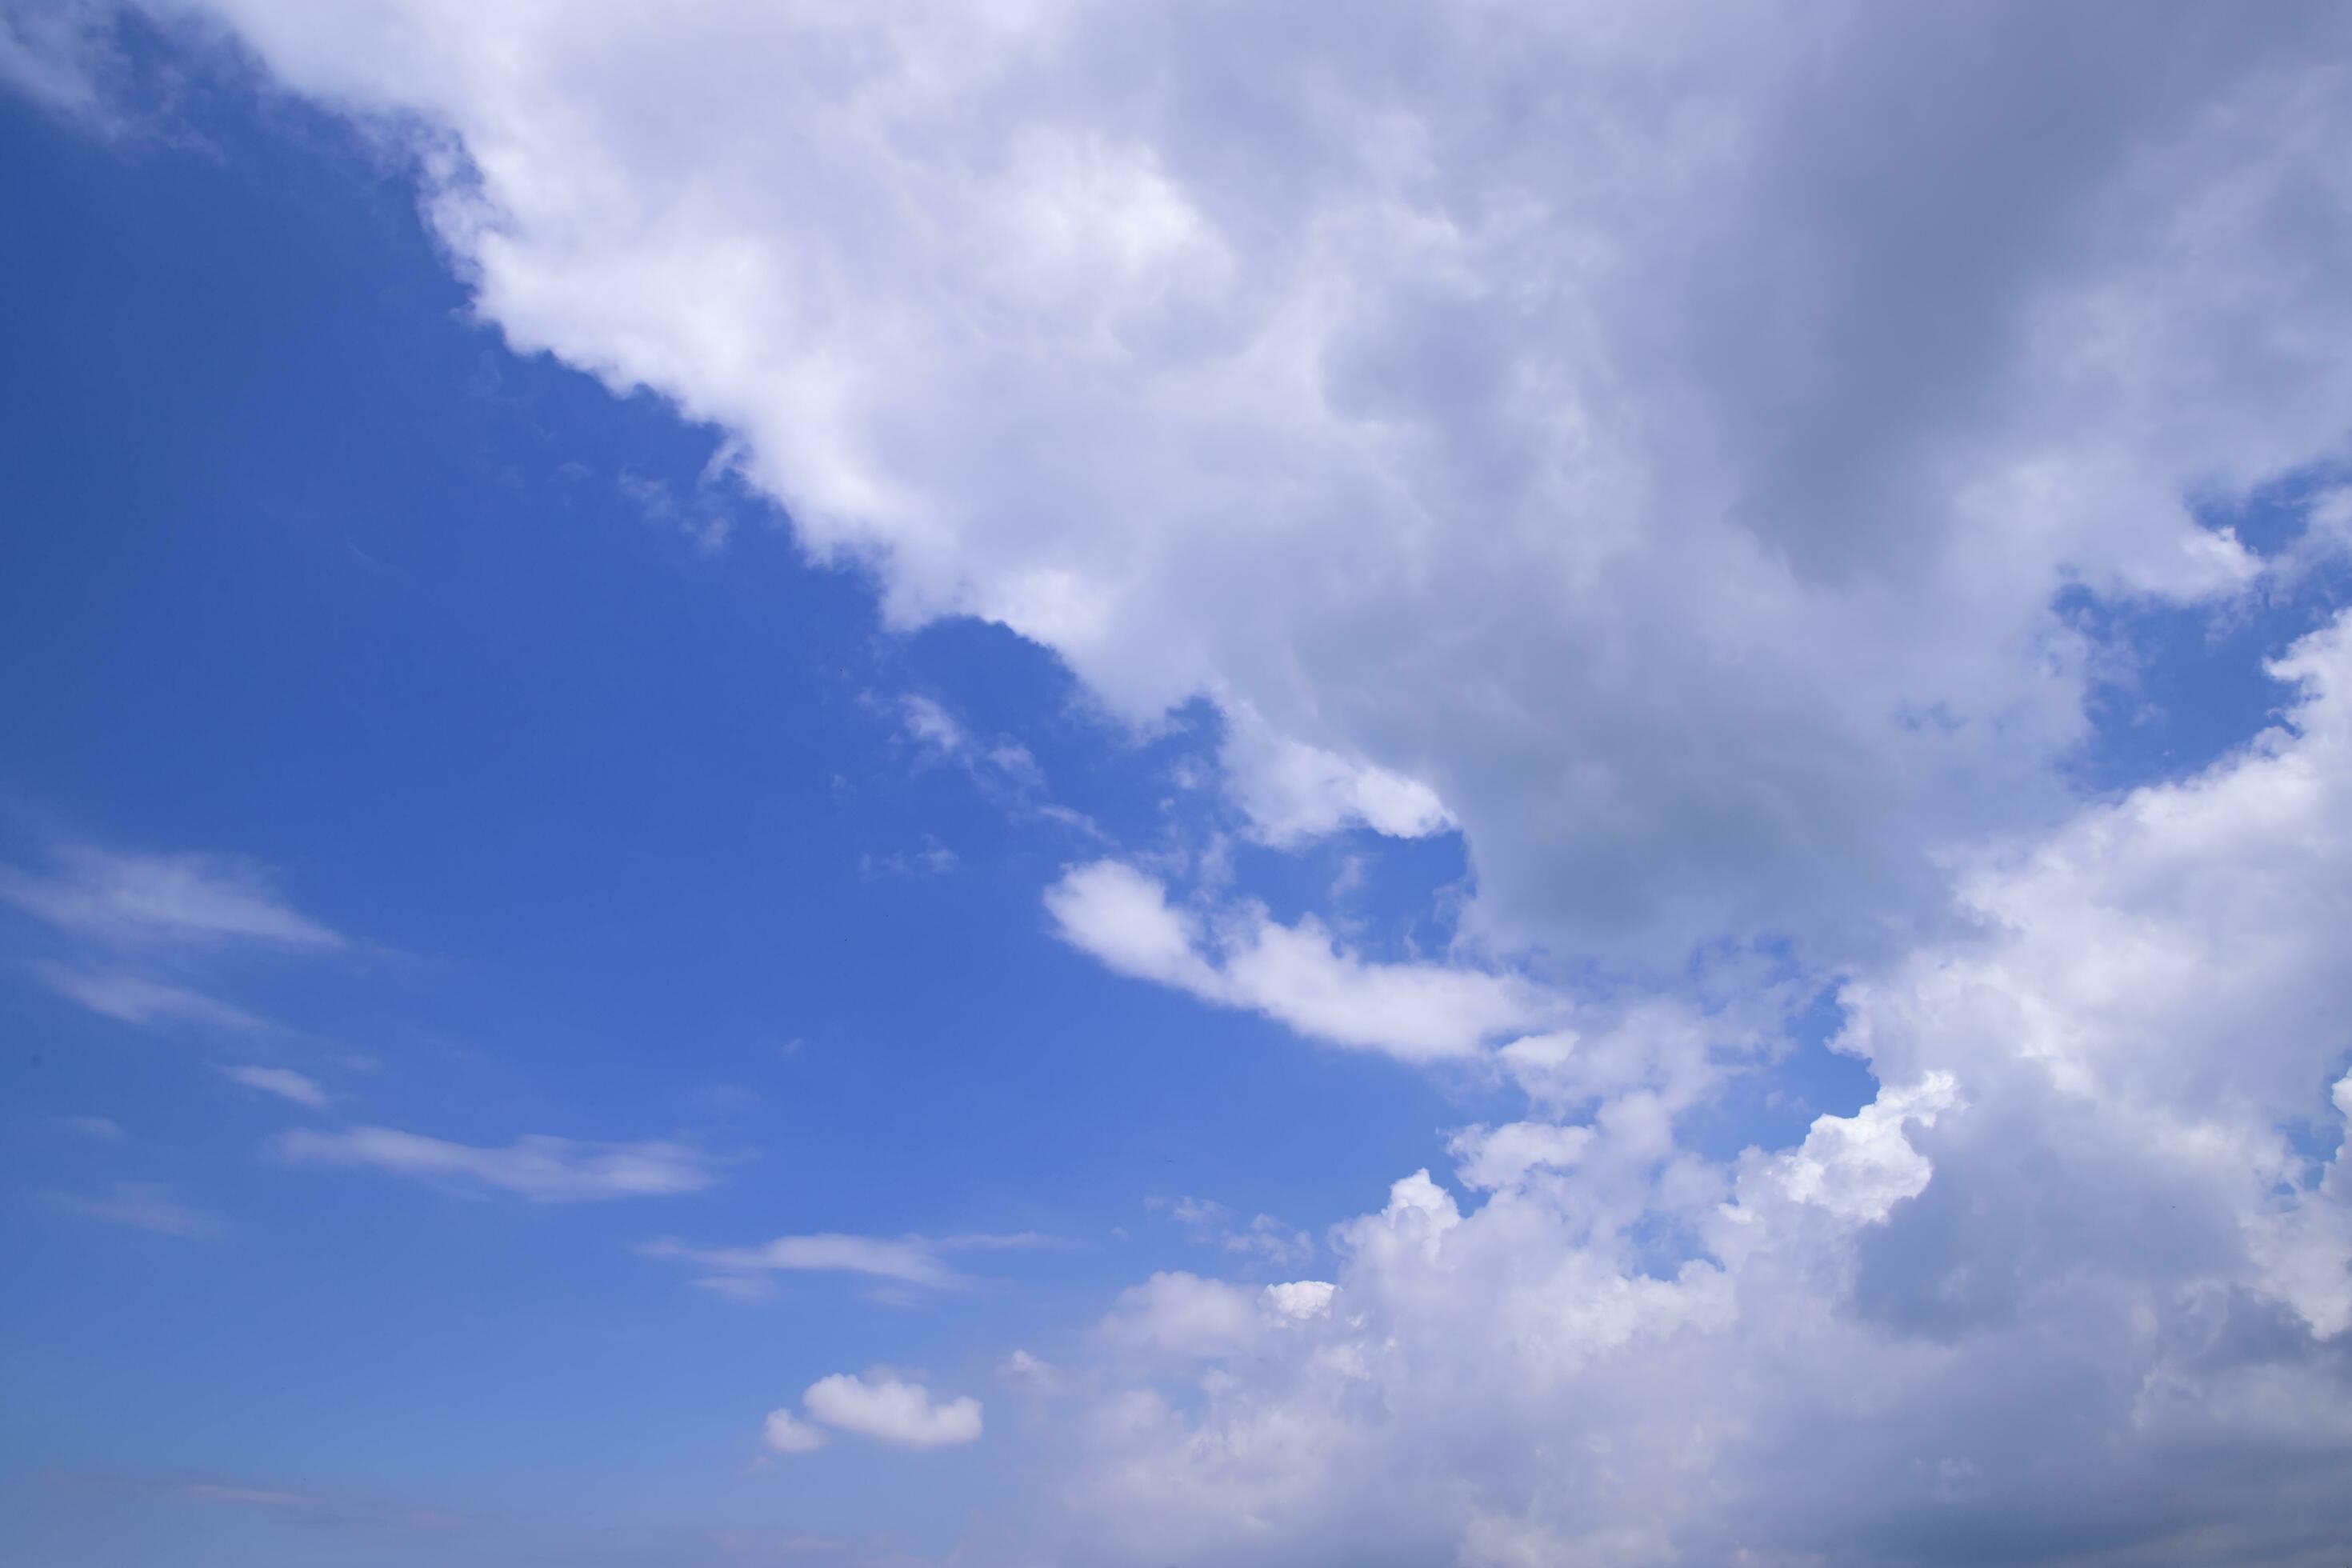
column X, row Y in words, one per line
column 1044, row 785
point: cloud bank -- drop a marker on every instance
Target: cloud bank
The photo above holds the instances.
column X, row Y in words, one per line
column 1648, row 438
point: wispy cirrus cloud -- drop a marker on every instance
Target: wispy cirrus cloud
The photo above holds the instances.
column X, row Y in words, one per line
column 143, row 899
column 132, row 998
column 147, row 934
column 539, row 1168
column 1003, row 770
column 916, row 1262
column 142, row 1206
column 296, row 1088
column 104, row 1129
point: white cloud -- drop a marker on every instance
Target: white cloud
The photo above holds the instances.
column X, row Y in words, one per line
column 135, row 999
column 788, row 1434
column 2067, row 1260
column 1002, row 768
column 1300, row 1298
column 916, row 1262
column 1298, row 974
column 1183, row 1315
column 1859, row 1167
column 283, row 1082
column 102, row 1128
column 1292, row 792
column 60, row 56
column 1506, row 1156
column 705, row 526
column 542, row 1168
column 1123, row 917
column 144, row 1205
column 907, row 1260
column 1652, row 439
column 888, row 1409
column 144, row 900
column 1032, row 1375
column 1575, row 416
column 1262, row 1235
column 143, row 926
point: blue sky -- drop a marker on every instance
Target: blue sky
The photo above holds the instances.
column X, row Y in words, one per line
column 711, row 853
column 625, row 840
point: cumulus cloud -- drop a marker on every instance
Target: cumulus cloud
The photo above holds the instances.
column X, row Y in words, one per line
column 1647, row 438
column 542, row 1168
column 1179, row 1314
column 2068, row 1286
column 1298, row 974
column 884, row 1407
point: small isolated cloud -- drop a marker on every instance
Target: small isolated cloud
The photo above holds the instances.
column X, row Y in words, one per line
column 542, row 1169
column 887, row 1409
column 145, row 899
column 142, row 1206
column 283, row 1082
column 1298, row 974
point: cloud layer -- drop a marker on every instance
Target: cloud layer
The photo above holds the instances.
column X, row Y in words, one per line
column 1650, row 440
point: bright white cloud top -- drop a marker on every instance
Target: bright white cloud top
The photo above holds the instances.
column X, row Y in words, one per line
column 1659, row 442
column 884, row 1407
